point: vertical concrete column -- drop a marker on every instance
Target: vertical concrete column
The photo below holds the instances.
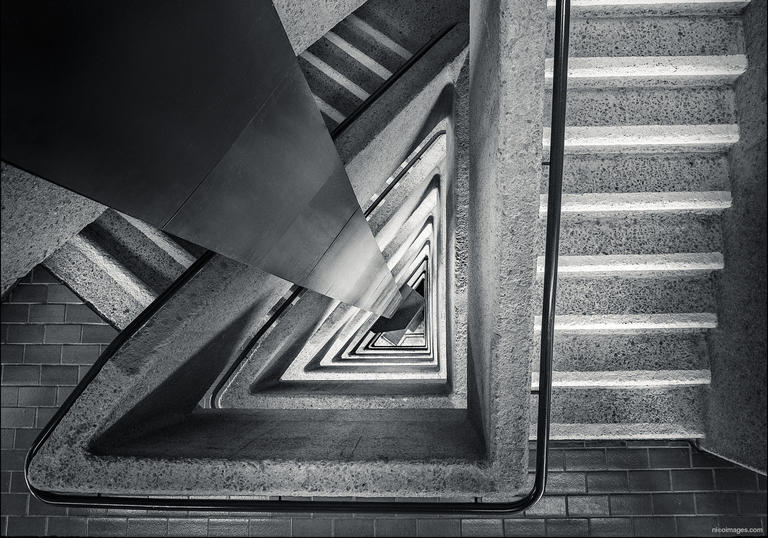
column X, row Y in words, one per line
column 507, row 49
column 736, row 426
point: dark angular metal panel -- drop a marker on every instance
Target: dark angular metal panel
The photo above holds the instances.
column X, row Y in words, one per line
column 133, row 103
column 409, row 308
column 282, row 182
column 354, row 271
column 195, row 117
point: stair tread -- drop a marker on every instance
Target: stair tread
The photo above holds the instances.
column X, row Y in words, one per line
column 642, row 430
column 586, row 323
column 378, row 36
column 636, row 263
column 611, row 202
column 642, row 138
column 336, row 76
column 625, row 379
column 651, row 70
column 358, row 55
column 653, row 7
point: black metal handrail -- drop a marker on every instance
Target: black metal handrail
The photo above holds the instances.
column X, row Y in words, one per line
column 562, row 15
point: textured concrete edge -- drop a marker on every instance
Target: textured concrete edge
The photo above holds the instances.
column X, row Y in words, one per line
column 506, row 86
column 38, row 217
column 738, row 345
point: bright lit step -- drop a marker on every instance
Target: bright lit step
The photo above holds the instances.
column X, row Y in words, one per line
column 113, row 270
column 626, row 379
column 559, row 431
column 180, row 255
column 378, row 36
column 646, row 138
column 596, row 8
column 359, row 56
column 656, row 202
column 630, row 323
column 664, row 71
column 334, row 75
column 328, row 110
column 629, row 264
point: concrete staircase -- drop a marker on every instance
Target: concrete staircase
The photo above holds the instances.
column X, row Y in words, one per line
column 120, row 264
column 349, row 63
column 651, row 117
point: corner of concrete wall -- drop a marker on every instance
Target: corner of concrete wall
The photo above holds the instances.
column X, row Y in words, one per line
column 736, row 427
column 507, row 42
column 306, row 21
column 37, row 218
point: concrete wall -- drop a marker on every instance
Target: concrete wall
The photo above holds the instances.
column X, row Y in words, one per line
column 37, row 218
column 306, row 21
column 507, row 41
column 49, row 339
column 737, row 407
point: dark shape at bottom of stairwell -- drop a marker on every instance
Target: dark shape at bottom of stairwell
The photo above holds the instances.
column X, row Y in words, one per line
column 412, row 304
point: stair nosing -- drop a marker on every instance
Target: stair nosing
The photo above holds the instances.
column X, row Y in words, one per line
column 618, row 264
column 621, row 323
column 625, row 379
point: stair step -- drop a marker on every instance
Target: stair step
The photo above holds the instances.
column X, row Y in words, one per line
column 329, row 112
column 380, row 37
column 646, row 138
column 336, row 76
column 328, row 89
column 637, row 233
column 643, row 172
column 139, row 248
column 650, row 71
column 612, row 8
column 626, row 379
column 684, row 404
column 179, row 254
column 647, row 430
column 632, row 295
column 343, row 62
column 102, row 281
column 647, row 106
column 650, row 35
column 629, row 323
column 612, row 351
column 370, row 42
column 638, row 202
column 632, row 264
column 359, row 56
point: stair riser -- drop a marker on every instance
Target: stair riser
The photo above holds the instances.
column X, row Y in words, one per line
column 329, row 90
column 346, row 65
column 642, row 351
column 648, row 106
column 684, row 405
column 368, row 45
column 653, row 36
column 643, row 173
column 132, row 249
column 91, row 281
column 653, row 233
column 653, row 9
column 611, row 295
